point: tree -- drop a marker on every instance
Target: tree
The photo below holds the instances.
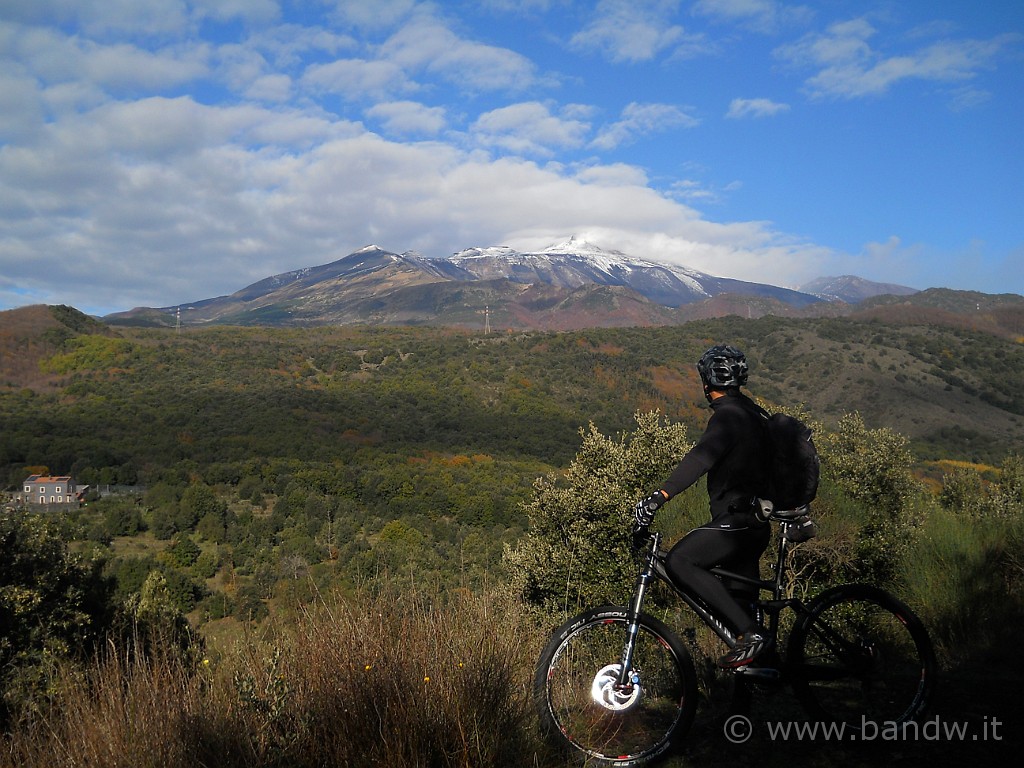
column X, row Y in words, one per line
column 577, row 551
column 52, row 605
column 212, row 527
column 872, row 467
column 965, row 491
column 198, row 501
column 155, row 619
column 122, row 517
column 182, row 552
column 1009, row 490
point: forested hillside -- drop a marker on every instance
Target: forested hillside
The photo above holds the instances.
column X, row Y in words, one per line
column 261, row 451
column 149, row 399
column 255, row 471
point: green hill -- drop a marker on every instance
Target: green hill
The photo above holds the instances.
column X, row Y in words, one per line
column 72, row 397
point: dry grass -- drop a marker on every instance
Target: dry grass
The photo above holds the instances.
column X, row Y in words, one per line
column 394, row 681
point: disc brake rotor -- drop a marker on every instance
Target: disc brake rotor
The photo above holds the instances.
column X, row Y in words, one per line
column 603, row 690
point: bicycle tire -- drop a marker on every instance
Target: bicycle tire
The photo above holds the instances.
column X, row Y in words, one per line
column 581, row 713
column 859, row 655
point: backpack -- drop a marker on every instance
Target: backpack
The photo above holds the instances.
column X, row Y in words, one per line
column 795, row 467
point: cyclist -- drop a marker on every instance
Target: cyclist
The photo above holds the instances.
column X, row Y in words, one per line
column 734, row 451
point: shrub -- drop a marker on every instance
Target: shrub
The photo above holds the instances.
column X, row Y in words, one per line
column 577, row 551
column 872, row 467
column 53, row 606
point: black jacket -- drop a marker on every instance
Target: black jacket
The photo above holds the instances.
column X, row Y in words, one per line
column 734, row 451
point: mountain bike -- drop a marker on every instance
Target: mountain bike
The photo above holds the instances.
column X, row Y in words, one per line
column 617, row 686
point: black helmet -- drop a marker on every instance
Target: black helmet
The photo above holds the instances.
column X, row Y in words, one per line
column 722, row 367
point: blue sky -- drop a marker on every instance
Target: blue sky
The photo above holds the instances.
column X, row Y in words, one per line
column 156, row 152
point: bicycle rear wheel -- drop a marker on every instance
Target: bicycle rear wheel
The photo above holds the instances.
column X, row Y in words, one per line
column 579, row 706
column 860, row 655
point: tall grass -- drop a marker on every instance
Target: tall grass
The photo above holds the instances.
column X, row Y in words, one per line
column 395, row 680
column 965, row 578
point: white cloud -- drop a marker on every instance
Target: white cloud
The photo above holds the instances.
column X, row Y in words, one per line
column 285, row 45
column 125, row 192
column 166, row 201
column 890, row 261
column 54, row 58
column 963, row 99
column 409, row 118
column 22, row 114
column 358, row 78
column 692, row 191
column 129, row 67
column 761, row 15
column 642, row 119
column 252, row 11
column 612, row 175
column 520, row 6
column 372, row 14
column 848, row 66
column 247, row 72
column 631, row 30
column 426, row 44
column 528, row 128
column 144, row 17
column 740, row 108
column 972, row 265
column 271, row 88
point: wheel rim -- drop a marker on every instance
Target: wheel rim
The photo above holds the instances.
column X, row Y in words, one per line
column 861, row 662
column 604, row 722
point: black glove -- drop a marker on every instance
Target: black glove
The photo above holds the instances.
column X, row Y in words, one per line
column 644, row 510
column 641, row 535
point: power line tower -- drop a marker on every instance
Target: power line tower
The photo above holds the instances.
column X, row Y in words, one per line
column 177, row 321
column 487, row 320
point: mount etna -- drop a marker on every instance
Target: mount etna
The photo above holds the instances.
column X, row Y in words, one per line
column 574, row 284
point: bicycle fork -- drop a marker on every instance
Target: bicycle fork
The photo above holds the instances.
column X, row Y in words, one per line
column 627, row 676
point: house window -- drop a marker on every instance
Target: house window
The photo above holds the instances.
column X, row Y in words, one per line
column 28, row 489
column 42, row 499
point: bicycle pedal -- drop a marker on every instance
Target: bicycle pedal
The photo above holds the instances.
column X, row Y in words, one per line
column 767, row 674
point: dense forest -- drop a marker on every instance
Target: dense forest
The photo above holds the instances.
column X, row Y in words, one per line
column 250, row 448
column 241, row 474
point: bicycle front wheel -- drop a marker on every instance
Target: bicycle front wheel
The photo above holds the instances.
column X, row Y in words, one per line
column 580, row 706
column 860, row 655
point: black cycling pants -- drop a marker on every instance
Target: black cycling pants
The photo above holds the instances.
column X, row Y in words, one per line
column 733, row 541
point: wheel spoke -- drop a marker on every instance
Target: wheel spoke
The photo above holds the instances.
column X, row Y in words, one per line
column 861, row 655
column 605, row 722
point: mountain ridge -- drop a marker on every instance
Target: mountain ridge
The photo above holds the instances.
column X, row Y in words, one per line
column 376, row 286
column 853, row 289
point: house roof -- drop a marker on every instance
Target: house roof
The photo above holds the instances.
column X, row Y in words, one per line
column 47, row 478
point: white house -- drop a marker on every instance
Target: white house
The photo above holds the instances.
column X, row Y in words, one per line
column 46, row 490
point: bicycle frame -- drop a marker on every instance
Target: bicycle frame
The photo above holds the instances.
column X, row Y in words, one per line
column 653, row 565
column 855, row 654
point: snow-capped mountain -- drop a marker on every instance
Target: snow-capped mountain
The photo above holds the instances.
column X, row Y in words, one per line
column 853, row 289
column 575, row 263
column 376, row 285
